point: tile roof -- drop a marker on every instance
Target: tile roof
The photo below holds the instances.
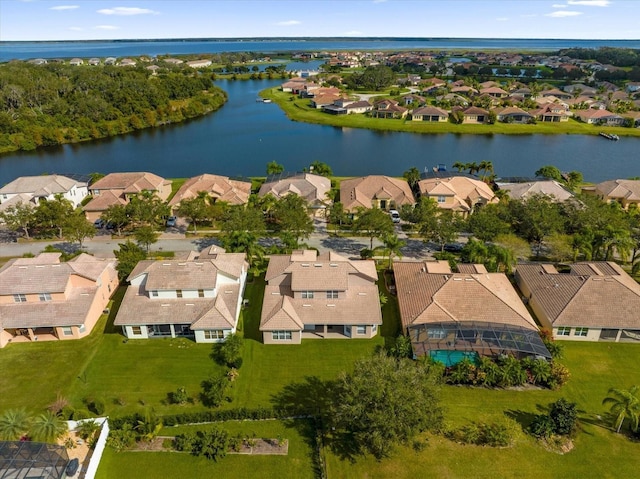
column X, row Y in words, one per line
column 313, row 188
column 130, row 182
column 43, row 185
column 466, row 191
column 518, row 191
column 597, row 294
column 622, row 189
column 219, row 187
column 102, row 201
column 426, row 297
column 357, row 192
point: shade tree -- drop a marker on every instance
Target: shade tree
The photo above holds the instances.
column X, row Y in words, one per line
column 373, row 223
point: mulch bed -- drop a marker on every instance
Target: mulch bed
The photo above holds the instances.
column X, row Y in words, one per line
column 264, row 447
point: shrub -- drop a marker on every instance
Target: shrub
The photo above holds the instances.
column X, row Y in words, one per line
column 229, row 353
column 96, row 406
column 559, row 375
column 564, row 415
column 542, row 426
column 496, row 434
column 213, row 391
column 179, row 396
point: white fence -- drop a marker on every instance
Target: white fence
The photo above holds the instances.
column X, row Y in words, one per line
column 95, row 455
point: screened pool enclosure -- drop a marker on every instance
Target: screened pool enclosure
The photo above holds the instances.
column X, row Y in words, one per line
column 26, row 460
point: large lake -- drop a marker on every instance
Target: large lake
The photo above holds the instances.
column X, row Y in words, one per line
column 244, row 135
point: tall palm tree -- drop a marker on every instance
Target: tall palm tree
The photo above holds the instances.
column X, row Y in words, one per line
column 393, row 244
column 48, row 427
column 14, row 423
column 459, row 166
column 625, row 404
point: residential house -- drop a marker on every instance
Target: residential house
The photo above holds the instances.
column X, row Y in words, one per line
column 217, row 188
column 118, row 188
column 513, row 114
column 556, row 93
column 313, row 188
column 94, row 61
column 551, row 113
column 127, row 62
column 460, row 194
column 31, row 189
column 494, row 92
column 581, row 89
column 322, row 100
column 319, row 296
column 633, row 87
column 599, row 117
column 200, row 297
column 173, row 61
column 294, row 85
column 453, row 315
column 430, row 114
column 375, row 191
column 110, row 61
column 593, row 301
column 388, row 109
column 43, row 299
column 453, row 99
column 524, row 190
column 76, row 62
column 202, row 63
column 474, row 114
column 624, row 192
column 411, row 99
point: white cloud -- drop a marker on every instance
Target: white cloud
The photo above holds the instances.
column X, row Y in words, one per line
column 65, row 7
column 563, row 14
column 106, row 27
column 590, row 3
column 502, row 19
column 559, row 5
column 126, row 11
column 288, row 23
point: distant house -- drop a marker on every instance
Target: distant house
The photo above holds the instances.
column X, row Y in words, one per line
column 559, row 94
column 459, row 194
column 375, row 191
column 294, row 85
column 494, row 92
column 31, row 189
column 429, row 113
column 551, row 113
column 313, row 188
column 450, row 316
column 217, row 188
column 110, row 61
column 319, row 296
column 76, row 61
column 594, row 301
column 127, row 62
column 624, row 192
column 550, row 188
column 388, row 109
column 513, row 114
column 474, row 114
column 119, row 188
column 413, row 99
column 94, row 61
column 599, row 117
column 43, row 299
column 173, row 61
column 200, row 297
column 199, row 63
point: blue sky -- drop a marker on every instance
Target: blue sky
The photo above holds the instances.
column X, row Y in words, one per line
column 144, row 19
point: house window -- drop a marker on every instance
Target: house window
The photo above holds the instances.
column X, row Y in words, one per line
column 281, row 335
column 44, row 297
column 332, row 295
column 361, row 330
column 442, row 199
column 214, row 334
column 581, row 332
column 307, row 295
column 179, row 293
column 154, row 294
column 436, row 333
column 564, row 331
column 201, row 293
column 136, row 330
column 67, row 331
column 19, row 298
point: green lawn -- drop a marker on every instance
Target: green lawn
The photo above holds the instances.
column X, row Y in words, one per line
column 298, row 109
column 297, row 464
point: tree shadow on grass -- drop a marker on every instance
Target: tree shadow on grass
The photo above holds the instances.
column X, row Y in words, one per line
column 525, row 418
column 312, row 399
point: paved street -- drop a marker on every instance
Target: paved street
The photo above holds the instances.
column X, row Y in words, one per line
column 103, row 245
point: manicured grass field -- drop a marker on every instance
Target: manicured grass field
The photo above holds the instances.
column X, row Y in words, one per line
column 298, row 109
column 297, row 464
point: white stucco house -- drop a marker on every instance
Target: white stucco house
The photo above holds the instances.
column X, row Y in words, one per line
column 30, row 189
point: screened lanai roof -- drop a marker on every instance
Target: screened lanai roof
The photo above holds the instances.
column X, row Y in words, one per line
column 25, row 459
column 486, row 339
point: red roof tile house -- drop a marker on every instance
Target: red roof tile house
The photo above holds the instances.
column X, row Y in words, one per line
column 118, row 188
column 199, row 297
column 623, row 192
column 595, row 301
column 375, row 191
column 450, row 316
column 218, row 188
column 313, row 188
column 388, row 109
column 319, row 296
column 42, row 299
column 457, row 193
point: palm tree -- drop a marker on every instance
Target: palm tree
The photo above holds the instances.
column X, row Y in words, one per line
column 393, row 244
column 625, row 404
column 14, row 423
column 459, row 166
column 48, row 427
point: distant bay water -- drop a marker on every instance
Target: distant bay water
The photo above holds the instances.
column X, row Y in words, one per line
column 244, row 135
column 126, row 48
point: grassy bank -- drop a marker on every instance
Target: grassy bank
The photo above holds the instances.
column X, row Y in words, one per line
column 298, row 109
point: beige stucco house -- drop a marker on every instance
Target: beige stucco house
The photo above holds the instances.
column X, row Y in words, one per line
column 624, row 192
column 313, row 188
column 375, row 191
column 199, row 297
column 43, row 299
column 31, row 189
column 119, row 188
column 451, row 315
column 595, row 301
column 459, row 194
column 430, row 113
column 319, row 296
column 218, row 188
column 550, row 188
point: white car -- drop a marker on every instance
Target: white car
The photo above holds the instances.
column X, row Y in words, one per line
column 395, row 216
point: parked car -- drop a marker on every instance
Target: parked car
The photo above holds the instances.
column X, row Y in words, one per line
column 395, row 216
column 110, row 226
column 453, row 247
column 98, row 223
column 171, row 221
